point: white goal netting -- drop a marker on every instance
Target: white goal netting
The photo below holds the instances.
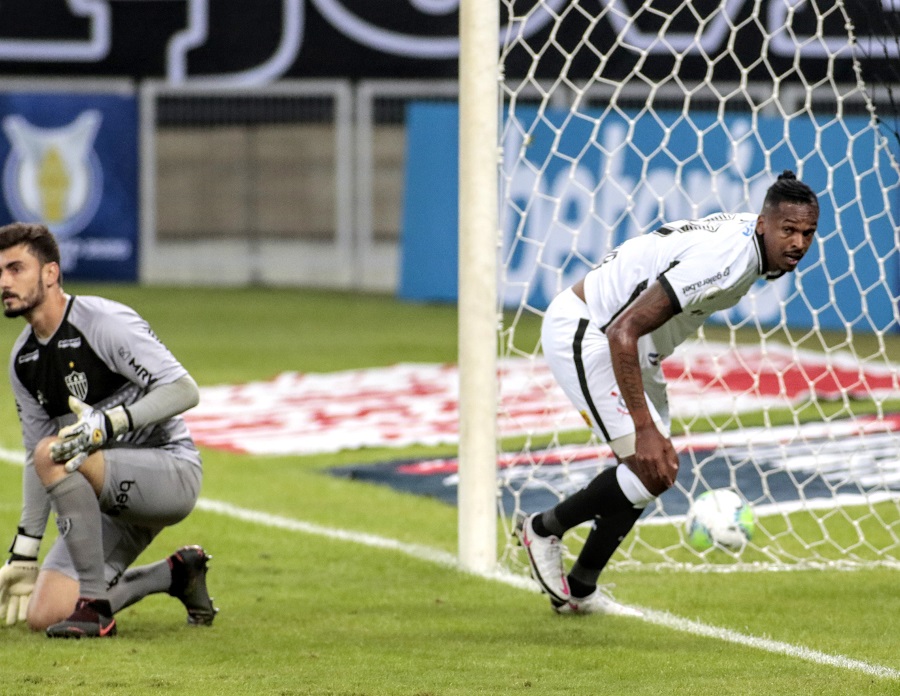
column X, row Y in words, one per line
column 621, row 114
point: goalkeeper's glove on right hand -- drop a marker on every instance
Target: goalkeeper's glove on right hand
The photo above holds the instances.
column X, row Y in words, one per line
column 17, row 578
column 89, row 433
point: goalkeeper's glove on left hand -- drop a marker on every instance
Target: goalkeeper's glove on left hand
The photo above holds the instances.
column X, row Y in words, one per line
column 17, row 578
column 90, row 432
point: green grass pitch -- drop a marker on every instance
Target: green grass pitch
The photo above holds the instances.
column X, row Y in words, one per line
column 302, row 613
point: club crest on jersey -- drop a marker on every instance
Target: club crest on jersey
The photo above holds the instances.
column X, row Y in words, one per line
column 77, row 384
column 64, row 525
column 53, row 175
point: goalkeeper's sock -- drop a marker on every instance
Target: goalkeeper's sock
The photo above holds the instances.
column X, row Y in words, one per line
column 182, row 575
column 139, row 582
column 79, row 521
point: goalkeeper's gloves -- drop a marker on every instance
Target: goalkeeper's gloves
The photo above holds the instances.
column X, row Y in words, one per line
column 89, row 433
column 17, row 578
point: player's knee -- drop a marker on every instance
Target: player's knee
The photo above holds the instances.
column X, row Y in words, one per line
column 44, row 466
column 657, row 482
column 41, row 615
column 633, row 486
column 37, row 623
column 53, row 599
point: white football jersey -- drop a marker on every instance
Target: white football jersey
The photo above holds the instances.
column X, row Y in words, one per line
column 705, row 265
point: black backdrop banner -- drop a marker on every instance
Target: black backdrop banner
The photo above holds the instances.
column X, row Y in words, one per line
column 265, row 40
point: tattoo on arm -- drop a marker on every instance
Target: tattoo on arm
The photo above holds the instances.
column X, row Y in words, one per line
column 649, row 311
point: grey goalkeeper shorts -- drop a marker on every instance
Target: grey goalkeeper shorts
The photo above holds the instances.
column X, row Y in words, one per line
column 144, row 491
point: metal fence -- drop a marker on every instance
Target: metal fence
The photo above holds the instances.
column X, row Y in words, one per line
column 297, row 183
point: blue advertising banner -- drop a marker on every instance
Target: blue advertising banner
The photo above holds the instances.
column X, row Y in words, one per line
column 429, row 244
column 579, row 190
column 69, row 161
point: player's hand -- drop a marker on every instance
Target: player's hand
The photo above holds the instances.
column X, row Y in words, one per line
column 17, row 578
column 655, row 460
column 89, row 433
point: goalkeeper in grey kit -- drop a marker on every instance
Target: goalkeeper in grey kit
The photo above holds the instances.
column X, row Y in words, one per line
column 604, row 339
column 99, row 400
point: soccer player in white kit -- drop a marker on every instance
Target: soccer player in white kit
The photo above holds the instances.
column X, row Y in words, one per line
column 99, row 400
column 604, row 339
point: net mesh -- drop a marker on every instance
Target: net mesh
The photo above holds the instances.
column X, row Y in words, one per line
column 621, row 115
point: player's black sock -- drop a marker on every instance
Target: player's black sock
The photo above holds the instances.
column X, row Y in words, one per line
column 79, row 521
column 601, row 497
column 579, row 589
column 540, row 528
column 602, row 541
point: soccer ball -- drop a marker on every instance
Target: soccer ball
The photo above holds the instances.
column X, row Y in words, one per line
column 719, row 518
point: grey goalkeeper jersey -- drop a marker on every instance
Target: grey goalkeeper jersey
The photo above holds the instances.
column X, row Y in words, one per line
column 106, row 355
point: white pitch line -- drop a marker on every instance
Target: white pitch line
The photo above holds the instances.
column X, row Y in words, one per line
column 424, row 552
column 774, row 646
column 448, row 560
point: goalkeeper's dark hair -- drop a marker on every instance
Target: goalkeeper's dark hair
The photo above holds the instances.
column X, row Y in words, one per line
column 39, row 240
column 788, row 188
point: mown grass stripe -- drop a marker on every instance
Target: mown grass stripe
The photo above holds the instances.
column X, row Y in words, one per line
column 448, row 560
column 443, row 558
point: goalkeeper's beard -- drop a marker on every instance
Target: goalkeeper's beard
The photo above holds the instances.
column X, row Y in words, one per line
column 35, row 298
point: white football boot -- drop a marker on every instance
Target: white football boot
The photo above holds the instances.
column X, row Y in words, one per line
column 600, row 601
column 546, row 561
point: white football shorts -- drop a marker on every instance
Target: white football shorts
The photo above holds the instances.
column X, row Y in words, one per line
column 577, row 353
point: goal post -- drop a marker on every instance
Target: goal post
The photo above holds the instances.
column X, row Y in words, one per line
column 478, row 234
column 615, row 117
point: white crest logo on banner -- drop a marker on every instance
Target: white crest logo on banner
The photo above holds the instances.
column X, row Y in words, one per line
column 53, row 175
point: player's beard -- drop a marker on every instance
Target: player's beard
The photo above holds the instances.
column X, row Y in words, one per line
column 29, row 301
